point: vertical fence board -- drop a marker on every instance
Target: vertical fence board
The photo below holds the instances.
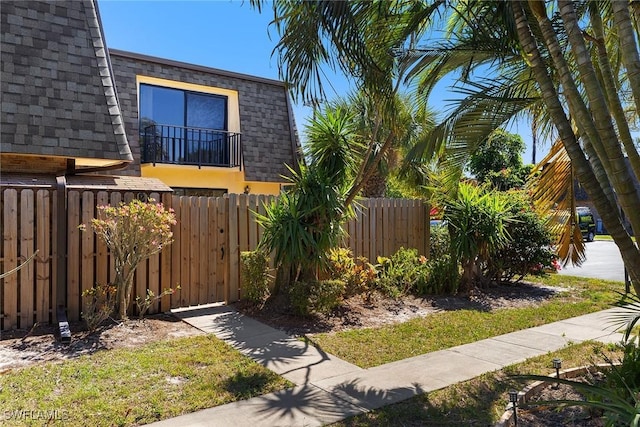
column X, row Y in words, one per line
column 214, row 252
column 243, row 222
column 366, row 231
column 115, row 200
column 102, row 254
column 381, row 236
column 234, row 251
column 194, row 248
column 10, row 242
column 43, row 259
column 204, row 250
column 373, row 219
column 176, row 257
column 260, row 208
column 165, row 262
column 223, row 255
column 26, row 275
column 73, row 256
column 253, row 226
column 87, row 241
column 185, row 254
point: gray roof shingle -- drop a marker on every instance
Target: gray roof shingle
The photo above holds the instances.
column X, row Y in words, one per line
column 57, row 87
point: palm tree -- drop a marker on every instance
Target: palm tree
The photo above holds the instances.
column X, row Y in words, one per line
column 573, row 59
column 363, row 40
column 578, row 91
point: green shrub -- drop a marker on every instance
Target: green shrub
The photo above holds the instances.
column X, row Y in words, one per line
column 527, row 250
column 403, row 272
column 321, row 296
column 444, row 277
column 254, row 270
column 624, row 380
column 439, row 242
column 358, row 274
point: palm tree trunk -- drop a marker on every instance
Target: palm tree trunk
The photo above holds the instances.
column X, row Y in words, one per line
column 611, row 89
column 607, row 139
column 585, row 174
column 628, row 46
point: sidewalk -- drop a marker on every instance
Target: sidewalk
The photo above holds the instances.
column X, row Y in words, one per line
column 329, row 389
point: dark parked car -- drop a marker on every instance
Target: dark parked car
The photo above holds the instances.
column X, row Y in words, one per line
column 587, row 224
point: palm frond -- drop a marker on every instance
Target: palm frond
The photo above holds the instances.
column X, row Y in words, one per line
column 552, row 192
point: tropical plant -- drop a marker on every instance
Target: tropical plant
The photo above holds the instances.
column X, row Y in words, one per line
column 358, row 274
column 363, row 40
column 303, row 224
column 572, row 61
column 403, row 272
column 477, row 219
column 132, row 232
column 571, row 64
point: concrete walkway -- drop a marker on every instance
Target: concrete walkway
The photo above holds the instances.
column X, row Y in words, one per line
column 329, row 389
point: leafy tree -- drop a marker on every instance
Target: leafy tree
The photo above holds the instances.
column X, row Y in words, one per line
column 572, row 64
column 498, row 161
column 528, row 249
column 575, row 64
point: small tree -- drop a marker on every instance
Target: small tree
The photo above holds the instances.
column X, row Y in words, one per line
column 477, row 221
column 132, row 232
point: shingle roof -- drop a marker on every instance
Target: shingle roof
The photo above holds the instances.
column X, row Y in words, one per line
column 58, row 92
column 86, row 182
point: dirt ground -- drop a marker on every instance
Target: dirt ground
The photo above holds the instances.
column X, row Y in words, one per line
column 552, row 415
column 22, row 348
column 358, row 313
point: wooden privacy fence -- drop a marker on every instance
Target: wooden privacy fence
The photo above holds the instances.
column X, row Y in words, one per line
column 204, row 259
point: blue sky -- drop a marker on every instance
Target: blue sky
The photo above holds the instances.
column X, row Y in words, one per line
column 228, row 35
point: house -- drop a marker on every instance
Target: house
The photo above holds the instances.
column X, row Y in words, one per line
column 203, row 131
column 81, row 125
column 70, row 105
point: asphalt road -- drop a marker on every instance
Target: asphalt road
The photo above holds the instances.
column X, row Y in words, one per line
column 603, row 262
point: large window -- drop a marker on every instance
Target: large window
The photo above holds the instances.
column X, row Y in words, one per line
column 180, row 126
column 168, row 106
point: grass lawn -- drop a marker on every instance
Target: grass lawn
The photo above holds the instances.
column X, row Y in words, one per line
column 135, row 386
column 480, row 401
column 608, row 238
column 377, row 346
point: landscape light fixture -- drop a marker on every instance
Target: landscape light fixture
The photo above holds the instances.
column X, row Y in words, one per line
column 557, row 364
column 513, row 398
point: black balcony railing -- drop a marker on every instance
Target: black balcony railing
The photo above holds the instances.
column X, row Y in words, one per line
column 178, row 145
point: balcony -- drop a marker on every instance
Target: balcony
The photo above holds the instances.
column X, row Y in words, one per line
column 178, row 145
